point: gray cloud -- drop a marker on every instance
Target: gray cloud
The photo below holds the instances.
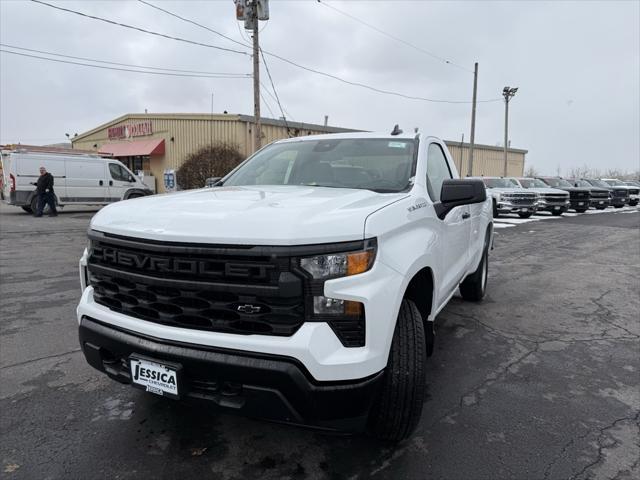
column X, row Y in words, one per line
column 577, row 65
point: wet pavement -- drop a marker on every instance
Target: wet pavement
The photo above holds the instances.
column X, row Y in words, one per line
column 541, row 380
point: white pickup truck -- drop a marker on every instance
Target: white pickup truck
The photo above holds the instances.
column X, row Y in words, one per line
column 301, row 288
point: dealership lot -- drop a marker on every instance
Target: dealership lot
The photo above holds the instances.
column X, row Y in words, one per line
column 539, row 381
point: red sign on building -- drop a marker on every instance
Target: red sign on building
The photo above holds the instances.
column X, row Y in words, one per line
column 132, row 130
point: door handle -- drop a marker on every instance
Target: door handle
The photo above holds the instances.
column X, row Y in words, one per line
column 111, row 183
column 465, row 215
column 100, row 183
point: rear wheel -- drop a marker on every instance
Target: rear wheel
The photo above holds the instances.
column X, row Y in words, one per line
column 525, row 215
column 26, row 209
column 397, row 409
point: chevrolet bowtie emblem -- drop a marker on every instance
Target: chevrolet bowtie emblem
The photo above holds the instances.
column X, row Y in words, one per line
column 248, row 308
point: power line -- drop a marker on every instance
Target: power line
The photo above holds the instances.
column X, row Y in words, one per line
column 231, row 75
column 275, row 92
column 266, row 89
column 150, row 32
column 393, row 37
column 264, row 100
column 193, row 22
column 290, row 62
column 116, row 68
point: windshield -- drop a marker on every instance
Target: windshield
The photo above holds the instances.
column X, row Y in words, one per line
column 615, row 183
column 497, row 183
column 582, row 183
column 381, row 165
column 532, row 183
column 599, row 183
column 557, row 182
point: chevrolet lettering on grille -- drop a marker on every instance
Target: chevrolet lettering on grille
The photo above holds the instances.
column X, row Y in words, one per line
column 160, row 264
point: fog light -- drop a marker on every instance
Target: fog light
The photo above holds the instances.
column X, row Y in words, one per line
column 335, row 306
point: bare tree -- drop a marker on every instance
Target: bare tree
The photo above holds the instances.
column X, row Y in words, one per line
column 531, row 172
column 214, row 160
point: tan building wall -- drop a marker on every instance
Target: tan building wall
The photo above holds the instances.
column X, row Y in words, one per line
column 488, row 161
column 184, row 134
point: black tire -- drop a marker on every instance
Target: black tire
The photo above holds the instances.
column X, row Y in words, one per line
column 525, row 215
column 618, row 206
column 582, row 210
column 45, row 210
column 26, row 209
column 600, row 208
column 557, row 214
column 474, row 287
column 398, row 407
column 495, row 210
column 134, row 195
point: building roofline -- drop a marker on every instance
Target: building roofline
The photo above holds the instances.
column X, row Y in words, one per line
column 265, row 121
column 456, row 143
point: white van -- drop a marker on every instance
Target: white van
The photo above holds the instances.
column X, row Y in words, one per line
column 78, row 179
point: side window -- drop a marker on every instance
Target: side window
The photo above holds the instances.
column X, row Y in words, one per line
column 118, row 173
column 437, row 171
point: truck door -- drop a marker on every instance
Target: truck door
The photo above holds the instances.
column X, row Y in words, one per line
column 120, row 180
column 454, row 229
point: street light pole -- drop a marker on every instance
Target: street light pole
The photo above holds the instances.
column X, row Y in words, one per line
column 473, row 121
column 507, row 93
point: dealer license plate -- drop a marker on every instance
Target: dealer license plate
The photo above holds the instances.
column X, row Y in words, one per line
column 556, row 208
column 580, row 203
column 154, row 377
column 601, row 202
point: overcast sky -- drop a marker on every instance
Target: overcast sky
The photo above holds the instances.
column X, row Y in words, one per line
column 577, row 66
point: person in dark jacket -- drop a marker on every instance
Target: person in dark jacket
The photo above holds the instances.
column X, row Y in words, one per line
column 44, row 190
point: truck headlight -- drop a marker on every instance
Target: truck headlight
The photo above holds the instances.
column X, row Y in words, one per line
column 337, row 265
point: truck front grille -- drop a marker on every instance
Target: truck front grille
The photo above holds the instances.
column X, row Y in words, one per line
column 599, row 195
column 578, row 195
column 239, row 290
column 223, row 288
column 620, row 193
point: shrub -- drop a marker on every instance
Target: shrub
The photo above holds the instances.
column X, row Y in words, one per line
column 214, row 160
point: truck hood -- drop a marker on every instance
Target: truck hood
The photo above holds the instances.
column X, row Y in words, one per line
column 508, row 190
column 265, row 215
column 546, row 190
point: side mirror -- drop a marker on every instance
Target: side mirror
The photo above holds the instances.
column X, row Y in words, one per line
column 459, row 192
column 131, row 179
column 212, row 181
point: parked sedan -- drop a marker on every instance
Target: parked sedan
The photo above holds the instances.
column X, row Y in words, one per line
column 579, row 197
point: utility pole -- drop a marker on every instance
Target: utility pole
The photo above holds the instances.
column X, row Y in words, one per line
column 251, row 12
column 507, row 93
column 473, row 119
column 256, row 78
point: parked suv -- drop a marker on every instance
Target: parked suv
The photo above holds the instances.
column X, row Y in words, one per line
column 549, row 199
column 618, row 196
column 633, row 191
column 302, row 288
column 599, row 198
column 509, row 198
column 579, row 197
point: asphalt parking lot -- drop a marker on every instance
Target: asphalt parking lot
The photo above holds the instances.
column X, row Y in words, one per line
column 540, row 381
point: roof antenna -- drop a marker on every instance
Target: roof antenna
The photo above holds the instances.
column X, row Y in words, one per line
column 396, row 130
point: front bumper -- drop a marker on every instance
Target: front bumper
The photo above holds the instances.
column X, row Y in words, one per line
column 619, row 201
column 600, row 202
column 272, row 387
column 580, row 203
column 509, row 207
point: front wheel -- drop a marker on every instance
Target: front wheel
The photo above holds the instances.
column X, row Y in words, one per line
column 474, row 287
column 496, row 214
column 525, row 215
column 556, row 213
column 398, row 407
column 582, row 210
